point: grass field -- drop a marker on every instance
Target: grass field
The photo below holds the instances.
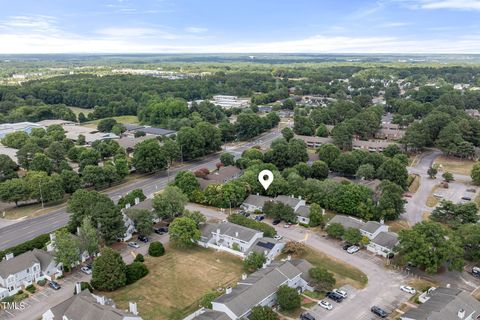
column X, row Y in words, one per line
column 120, row 119
column 77, row 110
column 177, row 281
column 398, row 225
column 455, row 165
column 415, row 184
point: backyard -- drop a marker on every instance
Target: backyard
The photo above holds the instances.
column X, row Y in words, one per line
column 454, row 165
column 167, row 292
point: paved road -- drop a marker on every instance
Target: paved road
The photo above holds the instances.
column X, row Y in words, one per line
column 22, row 231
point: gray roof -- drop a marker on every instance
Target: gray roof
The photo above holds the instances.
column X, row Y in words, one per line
column 223, row 174
column 371, row 226
column 132, row 127
column 386, row 239
column 228, row 229
column 203, row 184
column 303, row 211
column 444, row 304
column 256, row 200
column 155, row 131
column 263, row 244
column 258, row 286
column 24, row 261
column 212, row 315
column 347, row 222
column 84, row 306
column 289, row 201
column 131, row 142
column 146, row 204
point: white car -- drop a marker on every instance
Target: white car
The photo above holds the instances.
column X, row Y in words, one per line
column 343, row 293
column 278, row 237
column 287, row 225
column 353, row 249
column 325, row 305
column 133, row 244
column 86, row 270
column 408, row 289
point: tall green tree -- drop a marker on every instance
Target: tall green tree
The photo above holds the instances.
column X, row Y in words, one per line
column 323, row 280
column 184, row 232
column 142, row 220
column 170, row 202
column 89, row 239
column 263, row 313
column 8, row 168
column 288, row 298
column 109, row 271
column 148, row 156
column 67, row 251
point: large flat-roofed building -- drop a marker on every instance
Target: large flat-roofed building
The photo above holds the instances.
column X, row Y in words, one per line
column 228, row 102
column 26, row 127
column 91, row 135
column 314, row 141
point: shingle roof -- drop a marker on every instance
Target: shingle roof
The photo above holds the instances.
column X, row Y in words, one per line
column 146, row 204
column 347, row 222
column 386, row 239
column 212, row 315
column 258, row 286
column 371, row 226
column 84, row 306
column 225, row 173
column 263, row 244
column 256, row 200
column 155, row 131
column 289, row 201
column 445, row 303
column 228, row 229
column 303, row 211
column 24, row 261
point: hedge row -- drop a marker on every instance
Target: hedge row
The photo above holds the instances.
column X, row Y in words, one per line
column 36, row 243
column 268, row 231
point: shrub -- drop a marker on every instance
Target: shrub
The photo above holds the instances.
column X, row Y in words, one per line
column 268, row 231
column 139, row 258
column 288, row 298
column 31, row 288
column 156, row 249
column 36, row 243
column 42, row 282
column 85, row 286
column 207, row 298
column 135, row 271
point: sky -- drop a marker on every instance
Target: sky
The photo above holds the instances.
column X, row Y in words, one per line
column 239, row 26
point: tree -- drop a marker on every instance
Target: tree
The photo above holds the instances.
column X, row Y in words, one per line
column 56, row 151
column 207, row 299
column 447, row 176
column 335, row 230
column 148, row 156
column 131, row 198
column 41, row 162
column 287, row 133
column 94, row 176
column 106, row 125
column 156, row 249
column 82, row 118
column 109, row 271
column 455, row 214
column 254, row 261
column 319, row 170
column 227, row 159
column 88, row 157
column 14, row 190
column 186, row 181
column 303, row 126
column 346, row 163
column 170, row 202
column 15, row 139
column 183, row 232
column 470, row 237
column 322, row 131
column 391, row 204
column 316, row 216
column 26, row 153
column 88, row 237
column 172, row 150
column 139, row 258
column 475, row 174
column 394, row 171
column 279, row 210
column 342, row 136
column 328, row 153
column 81, row 140
column 366, row 171
column 323, row 280
column 288, row 298
column 196, row 216
column 67, row 251
column 135, row 271
column 8, row 168
column 263, row 313
column 142, row 220
column 352, row 236
column 44, row 188
column 429, row 246
column 121, row 167
column 432, row 172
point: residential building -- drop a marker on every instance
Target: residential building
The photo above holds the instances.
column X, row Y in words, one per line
column 228, row 102
column 6, row 128
column 265, row 109
column 220, row 176
column 60, row 122
column 303, row 214
column 87, row 306
column 314, row 141
column 389, row 134
column 91, row 135
column 270, row 248
column 382, row 242
column 446, row 304
column 290, row 201
column 371, row 145
column 129, row 142
column 260, row 288
column 24, row 270
column 254, row 203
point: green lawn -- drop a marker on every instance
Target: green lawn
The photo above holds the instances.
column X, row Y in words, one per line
column 120, row 119
column 77, row 110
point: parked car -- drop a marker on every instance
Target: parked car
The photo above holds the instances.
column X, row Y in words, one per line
column 158, row 231
column 133, row 244
column 259, row 218
column 276, row 221
column 467, row 198
column 287, row 225
column 343, row 293
column 471, row 190
column 407, row 195
column 54, row 285
column 353, row 249
column 436, row 195
column 278, row 237
column 325, row 305
column 408, row 289
column 144, row 239
column 346, row 246
column 307, row 316
column 379, row 312
column 476, row 272
column 246, row 214
column 334, row 296
column 86, row 270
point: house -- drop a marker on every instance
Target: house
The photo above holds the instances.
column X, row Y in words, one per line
column 60, row 122
column 129, row 142
column 260, row 288
column 389, row 134
column 87, row 306
column 314, row 141
column 91, row 135
column 24, row 270
column 254, row 203
column 446, row 303
column 220, row 176
column 290, row 201
column 11, row 152
column 229, row 237
column 303, row 214
column 207, row 314
column 265, row 109
column 26, row 127
column 130, row 229
column 152, row 131
column 382, row 242
column 371, row 145
column 270, row 248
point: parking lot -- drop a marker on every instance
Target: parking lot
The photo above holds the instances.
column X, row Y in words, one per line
column 455, row 192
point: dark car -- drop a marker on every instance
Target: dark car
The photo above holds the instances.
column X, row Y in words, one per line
column 277, row 221
column 335, row 296
column 143, row 239
column 466, row 198
column 307, row 316
column 346, row 246
column 259, row 218
column 379, row 312
column 160, row 230
column 476, row 272
column 54, row 285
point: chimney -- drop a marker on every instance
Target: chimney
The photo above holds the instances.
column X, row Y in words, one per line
column 461, row 314
column 78, row 232
column 299, row 197
column 289, row 257
column 127, row 206
column 137, row 201
column 293, row 196
column 78, row 288
column 244, row 276
column 228, row 290
column 236, row 234
column 52, row 236
column 382, row 221
column 132, row 307
column 9, row 256
column 100, row 300
column 264, row 266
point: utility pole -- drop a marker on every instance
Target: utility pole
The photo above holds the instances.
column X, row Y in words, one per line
column 41, row 195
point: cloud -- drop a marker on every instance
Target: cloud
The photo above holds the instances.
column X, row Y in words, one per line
column 443, row 4
column 394, row 24
column 195, row 30
column 125, row 33
column 32, row 24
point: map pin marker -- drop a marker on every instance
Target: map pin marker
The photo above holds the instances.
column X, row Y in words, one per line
column 266, row 178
